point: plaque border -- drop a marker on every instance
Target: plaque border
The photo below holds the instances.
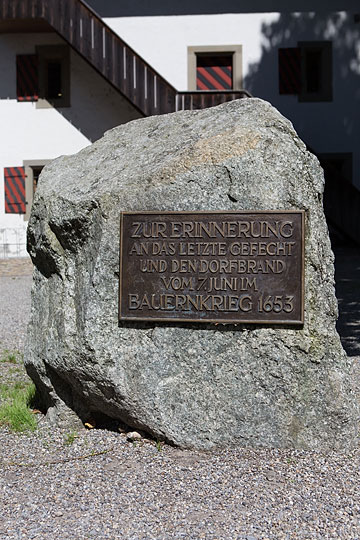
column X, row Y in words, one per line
column 299, row 322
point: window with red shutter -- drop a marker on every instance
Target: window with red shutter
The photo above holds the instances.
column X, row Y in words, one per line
column 289, row 70
column 215, row 68
column 214, row 72
column 14, row 185
column 27, row 81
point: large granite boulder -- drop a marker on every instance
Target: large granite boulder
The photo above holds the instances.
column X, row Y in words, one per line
column 201, row 386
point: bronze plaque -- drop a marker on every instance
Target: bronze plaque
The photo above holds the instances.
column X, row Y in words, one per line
column 219, row 267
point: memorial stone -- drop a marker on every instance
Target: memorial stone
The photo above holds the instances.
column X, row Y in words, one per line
column 184, row 285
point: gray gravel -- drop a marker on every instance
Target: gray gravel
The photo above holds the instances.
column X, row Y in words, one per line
column 94, row 484
column 139, row 492
column 14, row 311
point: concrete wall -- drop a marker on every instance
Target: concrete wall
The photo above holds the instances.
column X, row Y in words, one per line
column 31, row 133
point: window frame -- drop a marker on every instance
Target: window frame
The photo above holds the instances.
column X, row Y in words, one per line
column 234, row 50
column 29, row 166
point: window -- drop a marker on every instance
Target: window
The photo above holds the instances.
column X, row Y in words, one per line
column 306, row 70
column 20, row 185
column 214, row 71
column 44, row 77
column 215, row 67
column 54, row 76
column 316, row 71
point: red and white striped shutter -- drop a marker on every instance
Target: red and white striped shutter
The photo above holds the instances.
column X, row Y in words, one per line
column 14, row 185
column 214, row 72
column 289, row 70
column 27, row 83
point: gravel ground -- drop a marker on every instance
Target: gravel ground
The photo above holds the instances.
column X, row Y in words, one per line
column 15, row 309
column 94, row 484
column 15, row 284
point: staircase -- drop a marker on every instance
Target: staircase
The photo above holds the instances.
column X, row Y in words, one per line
column 110, row 56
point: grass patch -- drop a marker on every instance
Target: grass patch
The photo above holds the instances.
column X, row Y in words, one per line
column 159, row 445
column 11, row 357
column 14, row 370
column 15, row 411
column 70, row 437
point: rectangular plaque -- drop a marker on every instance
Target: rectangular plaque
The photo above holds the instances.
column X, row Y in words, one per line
column 219, row 267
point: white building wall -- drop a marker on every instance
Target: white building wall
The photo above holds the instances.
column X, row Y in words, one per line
column 31, row 133
column 328, row 127
column 163, row 41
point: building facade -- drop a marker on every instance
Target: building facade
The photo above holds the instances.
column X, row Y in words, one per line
column 70, row 71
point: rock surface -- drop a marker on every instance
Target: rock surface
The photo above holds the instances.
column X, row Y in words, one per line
column 195, row 386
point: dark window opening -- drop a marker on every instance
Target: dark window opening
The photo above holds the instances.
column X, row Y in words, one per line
column 36, row 173
column 54, row 79
column 313, row 70
column 214, row 71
